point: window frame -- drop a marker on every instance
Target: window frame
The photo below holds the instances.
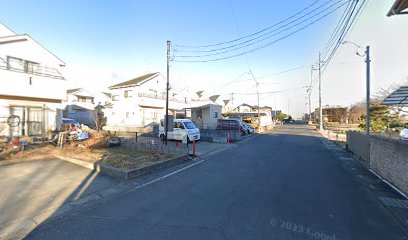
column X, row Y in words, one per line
column 127, row 93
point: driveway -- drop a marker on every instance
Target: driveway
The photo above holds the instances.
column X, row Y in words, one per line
column 32, row 191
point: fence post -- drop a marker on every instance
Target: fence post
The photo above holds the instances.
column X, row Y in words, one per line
column 194, row 148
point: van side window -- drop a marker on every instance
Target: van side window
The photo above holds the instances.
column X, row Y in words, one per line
column 178, row 125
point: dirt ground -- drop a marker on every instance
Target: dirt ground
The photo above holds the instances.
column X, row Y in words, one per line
column 120, row 157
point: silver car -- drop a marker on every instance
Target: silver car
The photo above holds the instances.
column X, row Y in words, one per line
column 404, row 134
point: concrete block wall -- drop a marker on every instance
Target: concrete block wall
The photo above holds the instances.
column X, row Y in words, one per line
column 389, row 158
column 209, row 135
column 357, row 143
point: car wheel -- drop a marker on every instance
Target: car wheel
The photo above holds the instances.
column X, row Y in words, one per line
column 248, row 132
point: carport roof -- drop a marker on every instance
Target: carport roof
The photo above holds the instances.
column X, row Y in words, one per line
column 398, row 97
column 398, row 7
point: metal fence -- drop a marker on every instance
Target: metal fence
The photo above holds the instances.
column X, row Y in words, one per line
column 155, row 144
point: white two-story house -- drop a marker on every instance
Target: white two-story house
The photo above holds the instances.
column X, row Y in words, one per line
column 139, row 104
column 31, row 86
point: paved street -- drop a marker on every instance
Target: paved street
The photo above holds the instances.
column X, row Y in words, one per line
column 283, row 185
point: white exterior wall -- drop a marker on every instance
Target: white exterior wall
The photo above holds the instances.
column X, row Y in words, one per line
column 52, row 115
column 144, row 110
column 16, row 84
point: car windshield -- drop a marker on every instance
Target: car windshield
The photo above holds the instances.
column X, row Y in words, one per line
column 189, row 125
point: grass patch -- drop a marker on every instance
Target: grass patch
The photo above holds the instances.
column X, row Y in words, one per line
column 131, row 157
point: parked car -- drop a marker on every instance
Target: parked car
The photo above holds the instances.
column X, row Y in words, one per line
column 249, row 128
column 181, row 128
column 404, row 134
column 231, row 124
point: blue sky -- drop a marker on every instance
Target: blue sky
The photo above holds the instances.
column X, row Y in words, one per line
column 128, row 38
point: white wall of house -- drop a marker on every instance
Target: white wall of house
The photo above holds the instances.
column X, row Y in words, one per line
column 31, row 81
column 140, row 106
column 39, row 117
column 207, row 116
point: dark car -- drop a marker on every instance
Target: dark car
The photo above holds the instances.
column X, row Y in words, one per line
column 231, row 124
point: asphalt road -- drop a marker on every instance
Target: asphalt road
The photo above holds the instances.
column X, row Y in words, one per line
column 284, row 185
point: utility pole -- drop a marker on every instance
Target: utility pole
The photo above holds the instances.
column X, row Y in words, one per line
column 320, row 97
column 232, row 101
column 368, row 60
column 167, row 92
column 259, row 116
column 310, row 94
column 257, row 93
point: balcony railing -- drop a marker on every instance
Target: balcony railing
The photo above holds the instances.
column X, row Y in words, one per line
column 161, row 97
column 22, row 66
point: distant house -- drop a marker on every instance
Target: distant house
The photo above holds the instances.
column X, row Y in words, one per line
column 80, row 106
column 333, row 114
column 33, row 86
column 251, row 115
column 139, row 104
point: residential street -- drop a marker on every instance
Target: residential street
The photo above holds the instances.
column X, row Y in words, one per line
column 281, row 185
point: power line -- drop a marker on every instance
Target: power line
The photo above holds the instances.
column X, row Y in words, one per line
column 263, row 46
column 337, row 28
column 263, row 38
column 272, row 92
column 345, row 32
column 240, row 38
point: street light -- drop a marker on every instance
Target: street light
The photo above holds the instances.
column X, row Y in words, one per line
column 367, row 60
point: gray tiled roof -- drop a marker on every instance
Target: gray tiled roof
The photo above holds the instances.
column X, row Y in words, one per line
column 134, row 81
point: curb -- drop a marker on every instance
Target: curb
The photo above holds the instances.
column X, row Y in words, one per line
column 136, row 172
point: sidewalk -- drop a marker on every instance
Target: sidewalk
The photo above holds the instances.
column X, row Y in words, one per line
column 36, row 191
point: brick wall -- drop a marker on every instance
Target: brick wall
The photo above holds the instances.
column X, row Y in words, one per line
column 389, row 158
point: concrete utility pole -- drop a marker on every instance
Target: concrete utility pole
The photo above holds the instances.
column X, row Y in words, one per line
column 310, row 94
column 320, row 97
column 167, row 92
column 368, row 60
column 257, row 93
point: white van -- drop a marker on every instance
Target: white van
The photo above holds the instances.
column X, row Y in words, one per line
column 181, row 128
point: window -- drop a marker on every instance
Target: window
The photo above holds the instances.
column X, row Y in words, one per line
column 178, row 125
column 127, row 114
column 81, row 99
column 14, row 63
column 113, row 113
column 115, row 97
column 128, row 93
column 215, row 114
column 155, row 116
column 189, row 125
column 31, row 67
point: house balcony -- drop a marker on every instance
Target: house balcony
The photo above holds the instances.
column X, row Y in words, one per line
column 159, row 101
column 23, row 84
column 27, row 68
